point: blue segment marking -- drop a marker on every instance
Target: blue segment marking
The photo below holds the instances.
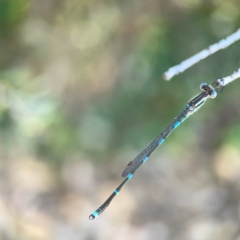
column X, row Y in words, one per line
column 161, row 141
column 95, row 214
column 145, row 159
column 116, row 191
column 129, row 176
column 176, row 124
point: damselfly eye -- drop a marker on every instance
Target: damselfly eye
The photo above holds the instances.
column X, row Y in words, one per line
column 203, row 86
column 213, row 94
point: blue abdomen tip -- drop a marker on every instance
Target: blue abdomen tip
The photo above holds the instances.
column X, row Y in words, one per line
column 93, row 215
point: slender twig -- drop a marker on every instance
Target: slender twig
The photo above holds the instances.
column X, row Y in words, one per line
column 226, row 80
column 224, row 43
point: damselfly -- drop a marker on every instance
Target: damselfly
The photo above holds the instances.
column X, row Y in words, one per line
column 208, row 91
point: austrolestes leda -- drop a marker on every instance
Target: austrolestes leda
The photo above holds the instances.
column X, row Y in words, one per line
column 208, row 91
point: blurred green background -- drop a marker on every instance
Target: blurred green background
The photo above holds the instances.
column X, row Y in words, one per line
column 81, row 94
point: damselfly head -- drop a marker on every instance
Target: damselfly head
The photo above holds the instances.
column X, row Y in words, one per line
column 91, row 217
column 208, row 89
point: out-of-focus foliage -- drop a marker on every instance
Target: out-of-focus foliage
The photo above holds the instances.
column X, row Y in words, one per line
column 81, row 93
